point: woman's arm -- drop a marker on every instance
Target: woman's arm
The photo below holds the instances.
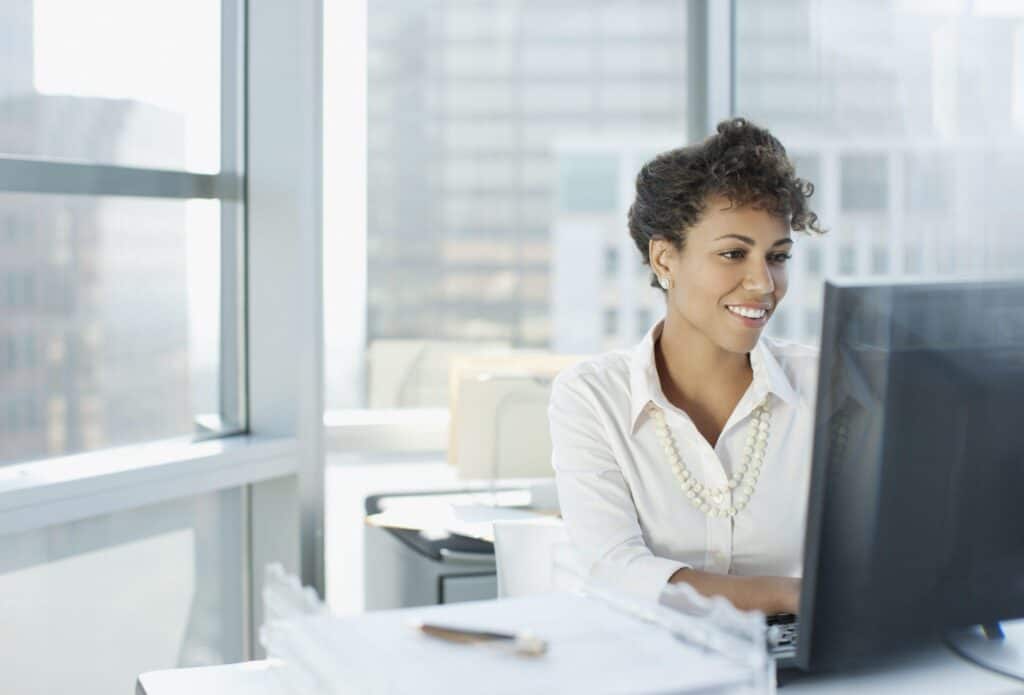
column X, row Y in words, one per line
column 595, row 500
column 769, row 595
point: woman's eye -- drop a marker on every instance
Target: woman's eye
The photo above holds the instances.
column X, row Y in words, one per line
column 732, row 255
column 780, row 257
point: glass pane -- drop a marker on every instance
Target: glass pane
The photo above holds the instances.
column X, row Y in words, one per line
column 91, row 604
column 909, row 119
column 129, row 82
column 498, row 136
column 109, row 321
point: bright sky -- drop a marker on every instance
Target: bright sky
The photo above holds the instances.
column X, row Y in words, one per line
column 162, row 53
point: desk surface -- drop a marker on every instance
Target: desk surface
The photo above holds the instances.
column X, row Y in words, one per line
column 935, row 671
column 932, row 671
column 250, row 678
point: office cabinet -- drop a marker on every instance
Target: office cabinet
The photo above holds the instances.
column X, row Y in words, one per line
column 406, row 567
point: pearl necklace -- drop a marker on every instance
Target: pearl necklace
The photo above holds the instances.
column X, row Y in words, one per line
column 714, row 501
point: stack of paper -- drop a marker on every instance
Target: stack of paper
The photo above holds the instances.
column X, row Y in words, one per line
column 593, row 648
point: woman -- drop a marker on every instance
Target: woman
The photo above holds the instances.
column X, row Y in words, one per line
column 687, row 458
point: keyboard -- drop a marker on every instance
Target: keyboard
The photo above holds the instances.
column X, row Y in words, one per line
column 783, row 630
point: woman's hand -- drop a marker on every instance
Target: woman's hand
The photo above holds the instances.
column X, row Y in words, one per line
column 769, row 595
column 785, row 592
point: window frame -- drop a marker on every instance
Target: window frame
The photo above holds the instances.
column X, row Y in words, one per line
column 275, row 455
column 39, row 175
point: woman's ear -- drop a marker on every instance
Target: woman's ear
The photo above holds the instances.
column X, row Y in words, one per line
column 661, row 253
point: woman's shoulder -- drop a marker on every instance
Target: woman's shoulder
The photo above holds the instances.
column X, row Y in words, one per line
column 799, row 361
column 604, row 372
column 594, row 390
column 789, row 350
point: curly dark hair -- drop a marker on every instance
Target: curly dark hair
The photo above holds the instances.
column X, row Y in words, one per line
column 741, row 162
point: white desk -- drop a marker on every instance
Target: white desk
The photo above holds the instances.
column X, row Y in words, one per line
column 935, row 672
column 927, row 671
column 248, row 678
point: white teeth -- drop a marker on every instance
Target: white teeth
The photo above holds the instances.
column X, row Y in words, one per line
column 748, row 313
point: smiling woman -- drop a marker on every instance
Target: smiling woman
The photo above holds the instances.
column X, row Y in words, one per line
column 742, row 273
column 659, row 451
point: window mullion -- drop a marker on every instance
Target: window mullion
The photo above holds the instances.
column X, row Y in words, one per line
column 74, row 178
column 232, row 396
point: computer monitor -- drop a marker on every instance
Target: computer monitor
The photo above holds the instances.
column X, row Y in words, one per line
column 915, row 518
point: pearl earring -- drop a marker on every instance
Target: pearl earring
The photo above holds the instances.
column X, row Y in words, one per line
column 666, row 283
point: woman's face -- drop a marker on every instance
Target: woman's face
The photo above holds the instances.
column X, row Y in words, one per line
column 730, row 275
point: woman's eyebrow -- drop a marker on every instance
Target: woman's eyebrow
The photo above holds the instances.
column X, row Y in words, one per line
column 751, row 242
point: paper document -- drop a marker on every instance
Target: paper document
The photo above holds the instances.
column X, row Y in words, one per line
column 592, row 649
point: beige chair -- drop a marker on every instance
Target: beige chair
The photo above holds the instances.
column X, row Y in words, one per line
column 499, row 414
column 414, row 373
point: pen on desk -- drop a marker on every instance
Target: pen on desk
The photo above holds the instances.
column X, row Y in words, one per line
column 523, row 642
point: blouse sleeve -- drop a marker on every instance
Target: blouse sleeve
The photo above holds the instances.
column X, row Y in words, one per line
column 595, row 500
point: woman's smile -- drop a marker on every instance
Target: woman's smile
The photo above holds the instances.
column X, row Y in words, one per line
column 750, row 315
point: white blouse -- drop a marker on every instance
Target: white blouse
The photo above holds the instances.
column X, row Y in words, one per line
column 629, row 520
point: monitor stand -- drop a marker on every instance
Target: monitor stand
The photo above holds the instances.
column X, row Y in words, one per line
column 997, row 646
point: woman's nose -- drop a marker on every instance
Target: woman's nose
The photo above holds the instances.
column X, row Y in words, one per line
column 759, row 279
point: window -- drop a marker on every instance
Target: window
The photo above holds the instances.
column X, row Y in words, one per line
column 65, row 63
column 880, row 257
column 780, row 323
column 808, row 166
column 121, row 225
column 929, row 182
column 912, row 116
column 813, row 256
column 137, row 276
column 812, row 323
column 611, row 262
column 863, row 183
column 644, row 320
column 611, row 323
column 847, row 259
column 587, row 183
column 501, row 148
column 913, row 259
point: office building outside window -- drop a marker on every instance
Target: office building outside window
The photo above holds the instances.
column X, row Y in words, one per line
column 503, row 138
column 111, row 303
column 914, row 113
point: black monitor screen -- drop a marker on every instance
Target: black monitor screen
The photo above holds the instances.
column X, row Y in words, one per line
column 916, row 512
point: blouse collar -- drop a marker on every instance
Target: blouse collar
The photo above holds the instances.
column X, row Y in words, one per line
column 645, row 387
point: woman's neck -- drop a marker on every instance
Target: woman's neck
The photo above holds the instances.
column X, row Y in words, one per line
column 697, row 374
